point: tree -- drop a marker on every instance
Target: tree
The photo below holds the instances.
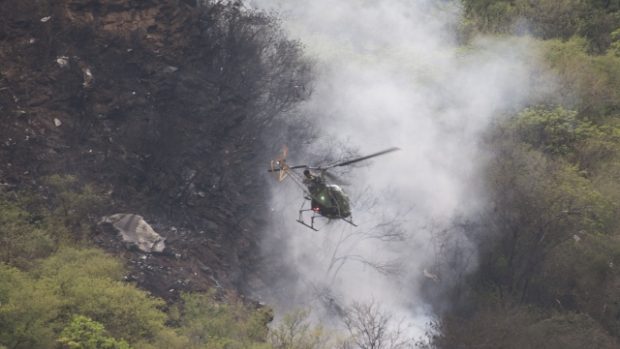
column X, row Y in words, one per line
column 211, row 324
column 23, row 237
column 88, row 283
column 371, row 328
column 296, row 332
column 84, row 333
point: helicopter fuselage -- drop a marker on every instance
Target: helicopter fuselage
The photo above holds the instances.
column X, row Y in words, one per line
column 328, row 200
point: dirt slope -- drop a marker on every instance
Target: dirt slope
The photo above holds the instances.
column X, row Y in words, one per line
column 164, row 105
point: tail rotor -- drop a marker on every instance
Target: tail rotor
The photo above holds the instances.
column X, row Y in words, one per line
column 279, row 166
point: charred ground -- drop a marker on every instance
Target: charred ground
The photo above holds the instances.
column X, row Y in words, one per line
column 163, row 106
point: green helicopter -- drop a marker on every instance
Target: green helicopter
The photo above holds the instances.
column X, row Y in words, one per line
column 326, row 199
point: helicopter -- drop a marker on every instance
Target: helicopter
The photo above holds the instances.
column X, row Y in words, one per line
column 327, row 200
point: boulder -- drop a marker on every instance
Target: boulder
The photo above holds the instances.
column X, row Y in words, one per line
column 136, row 231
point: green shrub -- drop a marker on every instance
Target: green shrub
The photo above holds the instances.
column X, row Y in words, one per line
column 23, row 237
column 217, row 325
column 28, row 311
column 73, row 206
column 88, row 282
column 84, row 333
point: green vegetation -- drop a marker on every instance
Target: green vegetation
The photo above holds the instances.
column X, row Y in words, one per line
column 58, row 291
column 209, row 324
column 550, row 242
column 549, row 264
column 594, row 20
column 84, row 333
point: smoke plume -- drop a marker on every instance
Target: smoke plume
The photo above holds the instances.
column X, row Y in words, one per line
column 390, row 73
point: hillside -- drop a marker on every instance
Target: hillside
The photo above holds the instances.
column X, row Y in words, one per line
column 161, row 106
column 548, row 243
column 156, row 108
column 496, row 225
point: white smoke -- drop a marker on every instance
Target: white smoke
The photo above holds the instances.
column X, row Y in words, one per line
column 390, row 74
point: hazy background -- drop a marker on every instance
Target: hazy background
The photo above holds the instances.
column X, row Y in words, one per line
column 390, row 73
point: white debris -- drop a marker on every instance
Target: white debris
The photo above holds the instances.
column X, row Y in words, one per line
column 63, row 61
column 57, row 122
column 88, row 77
column 431, row 275
column 170, row 69
column 45, row 19
column 32, row 41
column 576, row 238
column 135, row 230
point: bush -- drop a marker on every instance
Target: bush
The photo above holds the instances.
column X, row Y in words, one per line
column 296, row 332
column 84, row 333
column 73, row 206
column 517, row 327
column 23, row 237
column 28, row 311
column 88, row 283
column 548, row 19
column 212, row 324
column 589, row 84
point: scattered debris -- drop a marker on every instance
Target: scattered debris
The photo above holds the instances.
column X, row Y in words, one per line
column 88, row 77
column 57, row 122
column 576, row 238
column 63, row 61
column 170, row 69
column 135, row 230
column 45, row 19
column 431, row 275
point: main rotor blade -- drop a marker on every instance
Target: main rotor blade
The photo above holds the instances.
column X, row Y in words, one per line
column 349, row 162
column 334, row 178
column 288, row 168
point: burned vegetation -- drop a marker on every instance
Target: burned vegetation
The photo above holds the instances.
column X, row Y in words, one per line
column 160, row 106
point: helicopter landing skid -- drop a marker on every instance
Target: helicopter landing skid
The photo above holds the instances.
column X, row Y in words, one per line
column 307, row 225
column 350, row 221
column 301, row 221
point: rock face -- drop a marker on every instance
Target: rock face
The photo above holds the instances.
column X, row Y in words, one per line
column 135, row 230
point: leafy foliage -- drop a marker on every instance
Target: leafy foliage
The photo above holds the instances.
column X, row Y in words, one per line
column 515, row 327
column 212, row 324
column 296, row 332
column 32, row 226
column 27, row 311
column 84, row 333
column 23, row 236
column 589, row 84
column 548, row 242
column 547, row 19
column 73, row 206
column 87, row 282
